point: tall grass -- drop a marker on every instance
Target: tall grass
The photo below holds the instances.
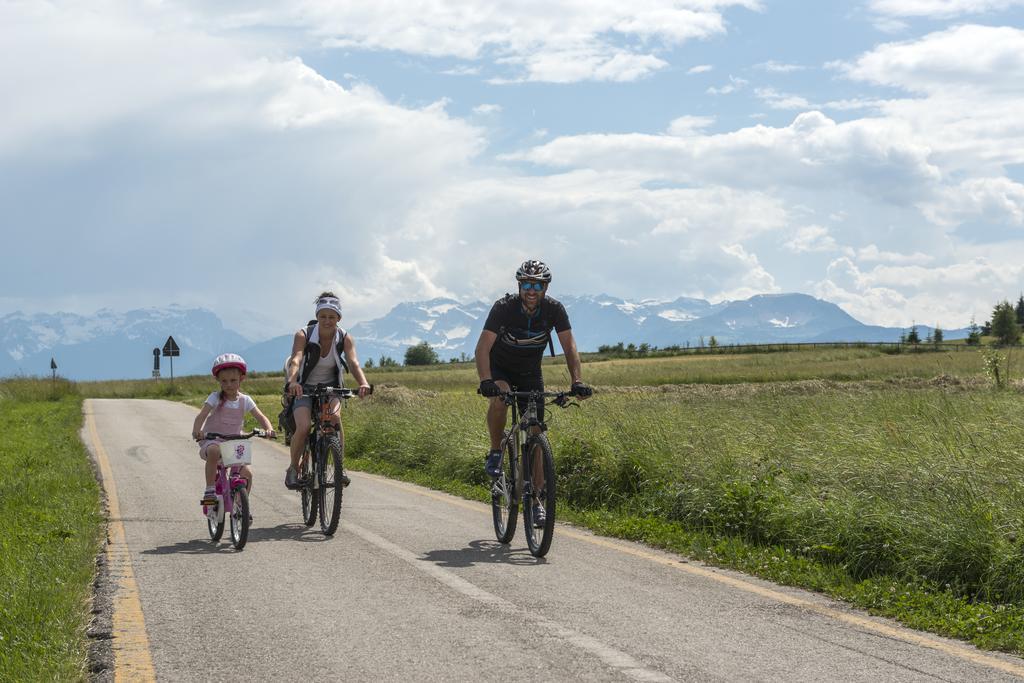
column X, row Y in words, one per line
column 50, row 532
column 852, row 364
column 915, row 483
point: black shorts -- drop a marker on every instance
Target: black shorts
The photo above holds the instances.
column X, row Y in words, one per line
column 522, row 382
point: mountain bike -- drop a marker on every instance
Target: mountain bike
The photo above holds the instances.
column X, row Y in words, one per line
column 526, row 457
column 321, row 472
column 232, row 496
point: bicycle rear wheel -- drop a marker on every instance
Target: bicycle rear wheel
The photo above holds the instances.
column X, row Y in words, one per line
column 329, row 471
column 239, row 517
column 504, row 503
column 310, row 498
column 539, row 532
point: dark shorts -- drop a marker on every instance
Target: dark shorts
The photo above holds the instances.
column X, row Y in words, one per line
column 521, row 382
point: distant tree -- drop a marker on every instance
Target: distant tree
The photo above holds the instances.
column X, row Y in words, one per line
column 1019, row 310
column 369, row 363
column 701, row 343
column 644, row 349
column 973, row 334
column 421, row 354
column 387, row 362
column 928, row 338
column 713, row 343
column 912, row 336
column 1004, row 324
column 937, row 336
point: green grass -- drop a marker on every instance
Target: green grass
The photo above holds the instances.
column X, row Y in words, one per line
column 897, row 497
column 843, row 365
column 50, row 532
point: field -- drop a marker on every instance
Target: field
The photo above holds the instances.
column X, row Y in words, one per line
column 50, row 533
column 892, row 481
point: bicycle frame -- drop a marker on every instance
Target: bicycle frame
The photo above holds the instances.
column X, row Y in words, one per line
column 228, row 479
column 517, row 434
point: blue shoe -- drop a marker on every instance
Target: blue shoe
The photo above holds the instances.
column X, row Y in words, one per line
column 493, row 466
column 540, row 516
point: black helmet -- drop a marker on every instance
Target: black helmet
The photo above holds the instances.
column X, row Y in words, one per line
column 533, row 270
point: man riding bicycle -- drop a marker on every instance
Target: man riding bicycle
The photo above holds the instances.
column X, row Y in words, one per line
column 511, row 347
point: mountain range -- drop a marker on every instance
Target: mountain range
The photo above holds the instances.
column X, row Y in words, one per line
column 113, row 345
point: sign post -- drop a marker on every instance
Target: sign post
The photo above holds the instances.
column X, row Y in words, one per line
column 171, row 350
column 53, row 369
column 156, row 363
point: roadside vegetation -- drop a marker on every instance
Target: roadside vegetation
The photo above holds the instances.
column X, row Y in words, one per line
column 50, row 532
column 892, row 481
column 905, row 500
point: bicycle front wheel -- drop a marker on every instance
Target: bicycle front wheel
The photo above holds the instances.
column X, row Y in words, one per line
column 504, row 504
column 329, row 471
column 239, row 517
column 540, row 528
column 310, row 498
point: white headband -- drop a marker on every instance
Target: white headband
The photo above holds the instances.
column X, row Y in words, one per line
column 330, row 303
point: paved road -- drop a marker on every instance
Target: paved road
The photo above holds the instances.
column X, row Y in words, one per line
column 414, row 587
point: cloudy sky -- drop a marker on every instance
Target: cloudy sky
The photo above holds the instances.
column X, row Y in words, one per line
column 242, row 156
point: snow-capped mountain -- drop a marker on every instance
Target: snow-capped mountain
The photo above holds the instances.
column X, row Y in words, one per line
column 120, row 345
column 110, row 344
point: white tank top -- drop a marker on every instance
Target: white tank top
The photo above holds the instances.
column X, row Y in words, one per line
column 324, row 372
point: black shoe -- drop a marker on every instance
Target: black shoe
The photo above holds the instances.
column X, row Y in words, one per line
column 291, row 479
column 493, row 465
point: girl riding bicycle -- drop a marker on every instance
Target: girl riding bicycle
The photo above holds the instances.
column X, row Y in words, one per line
column 224, row 413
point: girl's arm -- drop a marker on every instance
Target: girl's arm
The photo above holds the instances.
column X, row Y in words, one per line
column 354, row 367
column 264, row 422
column 200, row 419
column 294, row 366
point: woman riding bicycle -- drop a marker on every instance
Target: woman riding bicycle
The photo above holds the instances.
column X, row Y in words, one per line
column 321, row 353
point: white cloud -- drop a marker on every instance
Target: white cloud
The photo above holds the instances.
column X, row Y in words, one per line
column 895, row 295
column 700, row 69
column 778, row 100
column 772, row 66
column 689, row 125
column 563, row 41
column 486, row 109
column 872, row 253
column 735, row 83
column 940, row 9
column 811, row 238
column 994, row 201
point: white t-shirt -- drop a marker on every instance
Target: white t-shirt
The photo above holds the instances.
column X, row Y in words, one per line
column 213, row 400
column 324, row 372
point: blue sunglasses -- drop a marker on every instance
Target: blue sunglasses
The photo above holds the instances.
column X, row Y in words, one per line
column 535, row 286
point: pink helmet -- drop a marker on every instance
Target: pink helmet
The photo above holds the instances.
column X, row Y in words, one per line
column 228, row 360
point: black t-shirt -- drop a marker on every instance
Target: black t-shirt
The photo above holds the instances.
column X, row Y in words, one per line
column 523, row 338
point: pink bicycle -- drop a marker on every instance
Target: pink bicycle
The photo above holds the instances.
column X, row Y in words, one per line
column 232, row 496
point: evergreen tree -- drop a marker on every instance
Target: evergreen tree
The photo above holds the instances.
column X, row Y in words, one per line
column 937, row 335
column 973, row 334
column 1004, row 324
column 713, row 343
column 1019, row 310
column 912, row 336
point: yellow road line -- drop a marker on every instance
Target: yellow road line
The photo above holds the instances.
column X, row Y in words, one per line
column 132, row 658
column 904, row 634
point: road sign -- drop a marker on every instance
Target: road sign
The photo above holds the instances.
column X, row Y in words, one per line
column 171, row 348
column 156, row 363
column 53, row 364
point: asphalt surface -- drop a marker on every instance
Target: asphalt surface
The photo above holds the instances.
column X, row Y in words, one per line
column 414, row 586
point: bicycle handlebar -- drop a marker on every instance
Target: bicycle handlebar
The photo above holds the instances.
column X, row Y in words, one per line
column 562, row 399
column 262, row 433
column 323, row 390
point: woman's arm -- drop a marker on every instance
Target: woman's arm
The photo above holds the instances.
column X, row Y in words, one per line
column 294, row 365
column 353, row 365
